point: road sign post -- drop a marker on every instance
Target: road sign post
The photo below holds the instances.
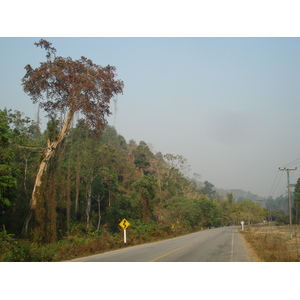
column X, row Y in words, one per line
column 124, row 224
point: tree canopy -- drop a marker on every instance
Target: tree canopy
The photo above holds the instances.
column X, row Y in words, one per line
column 66, row 85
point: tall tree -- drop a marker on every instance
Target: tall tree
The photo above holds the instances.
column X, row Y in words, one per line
column 249, row 212
column 142, row 155
column 63, row 85
column 7, row 181
column 146, row 186
column 297, row 198
column 177, row 162
column 21, row 152
column 230, row 198
column 209, row 211
column 208, row 190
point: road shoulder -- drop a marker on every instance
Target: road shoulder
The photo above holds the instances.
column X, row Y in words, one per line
column 251, row 251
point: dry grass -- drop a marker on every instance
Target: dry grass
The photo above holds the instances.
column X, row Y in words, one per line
column 273, row 243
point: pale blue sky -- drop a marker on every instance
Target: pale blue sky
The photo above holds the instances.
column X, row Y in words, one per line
column 229, row 105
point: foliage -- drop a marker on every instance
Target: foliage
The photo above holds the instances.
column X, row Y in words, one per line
column 7, row 180
column 114, row 214
column 281, row 220
column 111, row 137
column 62, row 84
column 210, row 212
column 146, row 186
column 142, row 155
column 100, row 170
column 208, row 190
column 230, row 198
column 177, row 162
column 297, row 196
column 248, row 212
column 91, row 177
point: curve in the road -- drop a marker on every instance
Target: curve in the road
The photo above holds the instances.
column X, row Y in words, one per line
column 214, row 245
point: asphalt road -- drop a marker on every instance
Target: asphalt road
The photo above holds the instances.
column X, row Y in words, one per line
column 214, row 245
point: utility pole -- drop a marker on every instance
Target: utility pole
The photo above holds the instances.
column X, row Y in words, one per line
column 289, row 197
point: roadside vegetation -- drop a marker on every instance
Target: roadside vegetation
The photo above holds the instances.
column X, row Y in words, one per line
column 82, row 243
column 95, row 182
column 273, row 243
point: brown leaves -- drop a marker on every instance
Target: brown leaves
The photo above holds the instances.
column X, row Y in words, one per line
column 47, row 46
column 67, row 84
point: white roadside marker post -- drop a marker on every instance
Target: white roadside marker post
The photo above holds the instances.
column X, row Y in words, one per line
column 242, row 225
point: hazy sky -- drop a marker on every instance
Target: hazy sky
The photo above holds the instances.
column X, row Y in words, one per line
column 230, row 106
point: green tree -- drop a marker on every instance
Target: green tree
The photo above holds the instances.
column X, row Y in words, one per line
column 119, row 210
column 271, row 204
column 146, row 186
column 171, row 186
column 142, row 155
column 7, row 180
column 297, row 197
column 249, row 212
column 111, row 137
column 24, row 147
column 230, row 198
column 182, row 212
column 209, row 212
column 174, row 183
column 177, row 162
column 281, row 203
column 208, row 190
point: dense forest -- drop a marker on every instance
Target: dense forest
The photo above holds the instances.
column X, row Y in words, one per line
column 71, row 185
column 96, row 179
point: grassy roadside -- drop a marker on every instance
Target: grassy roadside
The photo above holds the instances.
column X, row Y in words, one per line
column 270, row 243
column 15, row 250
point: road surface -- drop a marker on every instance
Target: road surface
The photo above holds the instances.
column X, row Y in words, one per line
column 214, row 245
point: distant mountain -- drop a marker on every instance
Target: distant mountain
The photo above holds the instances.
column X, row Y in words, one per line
column 239, row 195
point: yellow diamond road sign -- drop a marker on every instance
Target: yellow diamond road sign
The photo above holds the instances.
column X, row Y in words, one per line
column 124, row 224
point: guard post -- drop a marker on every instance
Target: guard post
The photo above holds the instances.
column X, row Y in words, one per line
column 242, row 225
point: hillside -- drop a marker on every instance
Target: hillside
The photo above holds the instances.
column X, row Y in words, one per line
column 238, row 194
column 95, row 180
